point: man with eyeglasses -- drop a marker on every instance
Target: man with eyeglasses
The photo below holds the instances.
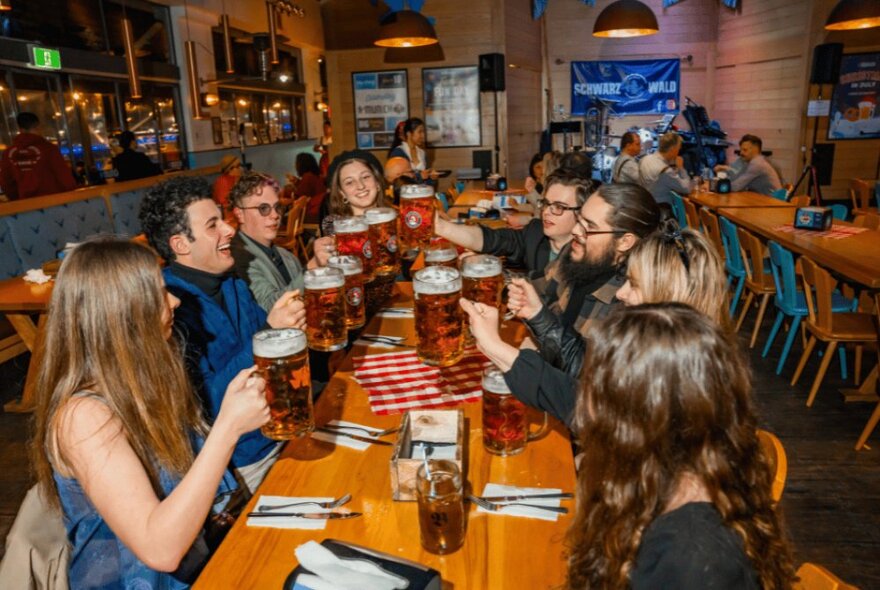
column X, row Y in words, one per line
column 542, row 239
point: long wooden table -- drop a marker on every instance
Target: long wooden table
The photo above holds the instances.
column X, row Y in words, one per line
column 499, row 551
column 20, row 300
column 735, row 200
column 856, row 257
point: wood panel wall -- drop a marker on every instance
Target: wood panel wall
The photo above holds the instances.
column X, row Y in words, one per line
column 523, row 52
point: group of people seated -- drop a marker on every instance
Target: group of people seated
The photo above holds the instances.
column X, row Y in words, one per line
column 149, row 405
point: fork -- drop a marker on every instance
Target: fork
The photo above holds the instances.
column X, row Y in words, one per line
column 492, row 507
column 373, row 433
column 332, row 504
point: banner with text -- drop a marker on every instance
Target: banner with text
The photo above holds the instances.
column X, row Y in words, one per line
column 633, row 87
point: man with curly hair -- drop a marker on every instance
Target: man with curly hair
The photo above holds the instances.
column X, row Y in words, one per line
column 218, row 315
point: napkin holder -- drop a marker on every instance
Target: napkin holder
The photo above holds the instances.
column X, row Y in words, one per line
column 404, row 466
column 814, row 218
column 421, row 577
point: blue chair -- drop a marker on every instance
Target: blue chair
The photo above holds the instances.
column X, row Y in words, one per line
column 780, row 193
column 839, row 211
column 678, row 210
column 444, row 202
column 791, row 303
column 733, row 262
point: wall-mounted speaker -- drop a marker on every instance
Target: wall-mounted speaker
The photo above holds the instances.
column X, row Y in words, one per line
column 826, row 63
column 491, row 72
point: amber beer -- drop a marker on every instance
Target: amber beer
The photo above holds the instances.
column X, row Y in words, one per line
column 325, row 308
column 505, row 418
column 442, row 256
column 350, row 266
column 439, row 319
column 383, row 236
column 416, row 218
column 282, row 360
column 482, row 281
column 353, row 239
column 441, row 507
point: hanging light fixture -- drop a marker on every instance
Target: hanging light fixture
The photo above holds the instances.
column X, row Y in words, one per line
column 403, row 55
column 227, row 43
column 850, row 15
column 405, row 28
column 273, row 38
column 192, row 69
column 5, row 5
column 626, row 18
column 134, row 80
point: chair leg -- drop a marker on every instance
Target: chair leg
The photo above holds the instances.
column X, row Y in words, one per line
column 773, row 331
column 761, row 310
column 740, row 283
column 869, row 428
column 789, row 340
column 742, row 316
column 858, row 364
column 841, row 352
column 823, row 367
column 808, row 349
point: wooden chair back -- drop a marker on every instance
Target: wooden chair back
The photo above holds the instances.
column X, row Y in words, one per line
column 818, row 286
column 775, row 454
column 868, row 220
column 752, row 251
column 800, row 201
column 709, row 222
column 860, row 193
column 690, row 212
column 296, row 218
column 816, row 577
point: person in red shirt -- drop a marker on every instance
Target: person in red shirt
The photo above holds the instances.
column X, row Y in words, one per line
column 308, row 183
column 230, row 171
column 33, row 166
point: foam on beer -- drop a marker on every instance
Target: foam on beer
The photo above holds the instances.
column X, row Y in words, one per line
column 493, row 381
column 349, row 265
column 324, row 278
column 378, row 215
column 480, row 266
column 273, row 344
column 416, row 191
column 349, row 225
column 440, row 254
column 437, row 280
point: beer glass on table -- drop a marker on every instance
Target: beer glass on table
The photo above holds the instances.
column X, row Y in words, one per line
column 282, row 360
column 351, row 267
column 353, row 239
column 383, row 238
column 417, row 205
column 482, row 280
column 441, row 506
column 325, row 308
column 439, row 319
column 505, row 418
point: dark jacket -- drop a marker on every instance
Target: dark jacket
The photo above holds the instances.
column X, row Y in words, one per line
column 527, row 247
column 131, row 165
column 32, row 167
column 538, row 384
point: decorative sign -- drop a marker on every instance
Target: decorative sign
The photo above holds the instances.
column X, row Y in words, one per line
column 45, row 58
column 452, row 106
column 635, row 87
column 818, row 108
column 380, row 103
column 854, row 109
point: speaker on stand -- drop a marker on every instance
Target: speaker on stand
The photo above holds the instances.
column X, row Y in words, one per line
column 491, row 74
column 824, row 70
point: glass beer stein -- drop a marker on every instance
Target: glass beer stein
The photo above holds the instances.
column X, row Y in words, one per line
column 482, row 280
column 353, row 239
column 383, row 237
column 505, row 419
column 442, row 255
column 325, row 308
column 439, row 319
column 416, row 218
column 441, row 507
column 282, row 360
column 351, row 267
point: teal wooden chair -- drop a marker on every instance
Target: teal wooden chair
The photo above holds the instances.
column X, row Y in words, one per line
column 678, row 210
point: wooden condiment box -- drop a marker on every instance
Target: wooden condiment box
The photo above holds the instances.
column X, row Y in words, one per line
column 404, row 466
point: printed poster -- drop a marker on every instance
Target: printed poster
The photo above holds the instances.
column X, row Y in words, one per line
column 380, row 103
column 854, row 112
column 452, row 106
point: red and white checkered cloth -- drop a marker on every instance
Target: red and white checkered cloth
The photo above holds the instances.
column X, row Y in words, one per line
column 836, row 232
column 399, row 381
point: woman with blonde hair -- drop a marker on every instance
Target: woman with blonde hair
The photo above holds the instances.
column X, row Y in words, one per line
column 673, row 488
column 120, row 442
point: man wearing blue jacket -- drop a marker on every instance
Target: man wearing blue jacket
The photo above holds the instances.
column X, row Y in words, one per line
column 218, row 315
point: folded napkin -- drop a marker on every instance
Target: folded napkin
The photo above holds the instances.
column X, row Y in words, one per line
column 396, row 312
column 291, row 522
column 36, row 276
column 419, row 451
column 345, row 441
column 332, row 573
column 434, row 425
column 494, row 489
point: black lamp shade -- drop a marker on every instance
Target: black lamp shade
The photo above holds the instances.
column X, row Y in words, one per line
column 405, row 28
column 854, row 14
column 404, row 55
column 626, row 18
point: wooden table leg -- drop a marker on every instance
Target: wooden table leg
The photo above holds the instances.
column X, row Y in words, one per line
column 27, row 402
column 24, row 327
column 866, row 393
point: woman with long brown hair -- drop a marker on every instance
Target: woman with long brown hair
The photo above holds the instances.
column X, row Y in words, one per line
column 356, row 183
column 118, row 424
column 673, row 489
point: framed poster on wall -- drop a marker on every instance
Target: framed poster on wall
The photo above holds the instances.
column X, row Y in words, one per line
column 452, row 106
column 381, row 101
column 854, row 110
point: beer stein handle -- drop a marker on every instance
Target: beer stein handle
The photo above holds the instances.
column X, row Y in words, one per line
column 540, row 432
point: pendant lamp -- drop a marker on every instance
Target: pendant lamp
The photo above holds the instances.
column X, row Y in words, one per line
column 134, row 80
column 849, row 15
column 424, row 53
column 626, row 18
column 5, row 5
column 405, row 28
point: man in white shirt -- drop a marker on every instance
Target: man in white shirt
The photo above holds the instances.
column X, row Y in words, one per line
column 663, row 171
column 626, row 167
column 752, row 171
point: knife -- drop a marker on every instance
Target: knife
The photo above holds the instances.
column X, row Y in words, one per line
column 366, row 439
column 428, row 443
column 312, row 515
column 562, row 495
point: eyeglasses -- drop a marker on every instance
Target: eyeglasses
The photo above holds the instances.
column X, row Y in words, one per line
column 556, row 208
column 595, row 232
column 265, row 208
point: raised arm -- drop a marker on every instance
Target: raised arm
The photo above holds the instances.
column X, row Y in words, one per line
column 466, row 236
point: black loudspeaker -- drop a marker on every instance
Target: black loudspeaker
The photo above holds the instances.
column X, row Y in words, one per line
column 823, row 160
column 826, row 63
column 482, row 159
column 492, row 72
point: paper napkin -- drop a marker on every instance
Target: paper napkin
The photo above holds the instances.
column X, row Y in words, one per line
column 290, row 522
column 494, row 489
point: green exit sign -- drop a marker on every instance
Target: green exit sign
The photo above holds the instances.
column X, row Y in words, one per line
column 47, row 59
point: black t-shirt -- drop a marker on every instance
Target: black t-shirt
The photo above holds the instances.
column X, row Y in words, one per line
column 691, row 548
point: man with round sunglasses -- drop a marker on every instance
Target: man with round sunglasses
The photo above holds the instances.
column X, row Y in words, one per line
column 542, row 239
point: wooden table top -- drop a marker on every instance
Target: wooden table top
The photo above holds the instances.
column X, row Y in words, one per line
column 499, row 551
column 16, row 295
column 734, row 200
column 856, row 257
